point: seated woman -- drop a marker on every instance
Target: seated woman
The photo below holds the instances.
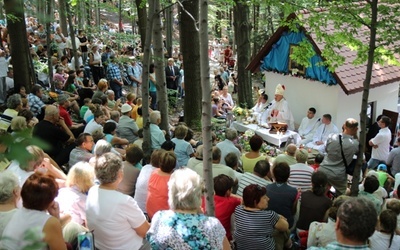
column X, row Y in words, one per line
column 183, row 150
column 254, row 224
column 216, row 107
column 195, row 230
column 40, row 214
column 116, row 219
column 321, row 234
column 309, row 211
column 250, row 159
column 157, row 197
column 72, row 198
column 132, row 167
column 385, row 237
column 109, row 130
column 70, row 86
column 225, row 202
column 36, row 162
column 9, row 196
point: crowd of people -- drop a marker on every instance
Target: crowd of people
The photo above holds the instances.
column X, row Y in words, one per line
column 94, row 178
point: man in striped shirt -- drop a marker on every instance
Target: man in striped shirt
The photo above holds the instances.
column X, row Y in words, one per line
column 300, row 173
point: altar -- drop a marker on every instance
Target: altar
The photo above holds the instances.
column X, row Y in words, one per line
column 275, row 139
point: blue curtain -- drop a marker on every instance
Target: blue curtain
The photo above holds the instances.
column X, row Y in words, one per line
column 278, row 59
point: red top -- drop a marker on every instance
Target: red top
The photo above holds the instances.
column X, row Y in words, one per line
column 157, row 196
column 224, row 208
column 64, row 114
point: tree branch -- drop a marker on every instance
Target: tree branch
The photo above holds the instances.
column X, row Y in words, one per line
column 190, row 15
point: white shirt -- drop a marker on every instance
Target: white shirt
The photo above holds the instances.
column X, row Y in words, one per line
column 321, row 234
column 141, row 186
column 92, row 126
column 321, row 134
column 379, row 241
column 113, row 217
column 72, row 202
column 382, row 140
column 3, row 66
column 21, row 174
column 308, row 127
column 23, row 220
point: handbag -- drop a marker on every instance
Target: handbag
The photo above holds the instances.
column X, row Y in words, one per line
column 349, row 168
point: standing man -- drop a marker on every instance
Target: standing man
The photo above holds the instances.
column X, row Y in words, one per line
column 172, row 74
column 393, row 161
column 322, row 133
column 83, row 42
column 134, row 72
column 114, row 77
column 380, row 143
column 333, row 165
column 279, row 109
column 308, row 126
column 228, row 53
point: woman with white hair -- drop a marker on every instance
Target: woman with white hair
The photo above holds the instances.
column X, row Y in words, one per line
column 72, row 198
column 116, row 219
column 9, row 196
column 195, row 230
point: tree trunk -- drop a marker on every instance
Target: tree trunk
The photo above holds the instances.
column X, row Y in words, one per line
column 142, row 20
column 190, row 48
column 162, row 100
column 40, row 11
column 218, row 27
column 98, row 21
column 169, row 28
column 72, row 36
column 63, row 16
column 49, row 15
column 256, row 18
column 19, row 43
column 270, row 23
column 242, row 35
column 145, row 81
column 364, row 104
column 80, row 11
column 206, row 109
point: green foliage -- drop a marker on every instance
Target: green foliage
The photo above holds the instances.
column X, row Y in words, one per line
column 346, row 23
column 32, row 239
column 16, row 145
column 40, row 67
column 172, row 98
column 302, row 53
column 13, row 19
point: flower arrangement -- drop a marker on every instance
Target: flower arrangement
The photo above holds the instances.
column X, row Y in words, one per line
column 40, row 67
column 238, row 111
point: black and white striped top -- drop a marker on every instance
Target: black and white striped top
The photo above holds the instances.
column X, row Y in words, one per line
column 254, row 229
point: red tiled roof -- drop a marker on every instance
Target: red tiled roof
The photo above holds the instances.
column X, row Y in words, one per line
column 350, row 77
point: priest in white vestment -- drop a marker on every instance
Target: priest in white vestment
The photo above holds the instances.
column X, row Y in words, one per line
column 279, row 110
column 308, row 126
column 321, row 134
